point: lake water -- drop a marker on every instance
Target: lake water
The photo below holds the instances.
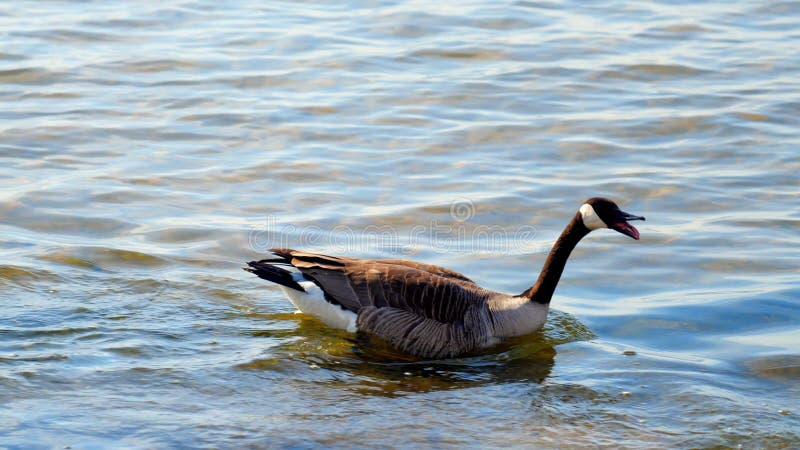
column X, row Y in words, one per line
column 149, row 149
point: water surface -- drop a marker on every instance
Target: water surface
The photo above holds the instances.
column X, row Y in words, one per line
column 149, row 149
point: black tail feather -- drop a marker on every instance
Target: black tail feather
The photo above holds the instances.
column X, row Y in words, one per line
column 267, row 270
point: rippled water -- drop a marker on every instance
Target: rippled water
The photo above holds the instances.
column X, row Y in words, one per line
column 149, row 149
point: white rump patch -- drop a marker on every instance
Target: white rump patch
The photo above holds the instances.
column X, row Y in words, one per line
column 312, row 302
column 590, row 217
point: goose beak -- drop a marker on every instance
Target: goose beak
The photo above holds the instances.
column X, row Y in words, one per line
column 622, row 225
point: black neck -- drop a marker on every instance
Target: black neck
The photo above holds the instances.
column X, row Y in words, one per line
column 542, row 291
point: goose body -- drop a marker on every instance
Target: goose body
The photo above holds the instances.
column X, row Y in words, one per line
column 422, row 309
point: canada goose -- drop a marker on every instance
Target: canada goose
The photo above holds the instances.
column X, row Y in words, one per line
column 422, row 309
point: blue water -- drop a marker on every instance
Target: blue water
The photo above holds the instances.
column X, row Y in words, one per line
column 149, row 149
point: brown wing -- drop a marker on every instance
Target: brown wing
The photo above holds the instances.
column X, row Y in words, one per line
column 287, row 254
column 423, row 289
column 436, row 270
column 422, row 309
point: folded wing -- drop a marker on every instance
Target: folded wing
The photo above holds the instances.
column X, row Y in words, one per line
column 419, row 308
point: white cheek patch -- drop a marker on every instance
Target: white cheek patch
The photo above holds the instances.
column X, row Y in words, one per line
column 590, row 218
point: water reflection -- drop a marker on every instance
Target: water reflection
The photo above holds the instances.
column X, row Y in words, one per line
column 781, row 368
column 367, row 365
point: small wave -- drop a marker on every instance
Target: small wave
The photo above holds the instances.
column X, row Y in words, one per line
column 103, row 259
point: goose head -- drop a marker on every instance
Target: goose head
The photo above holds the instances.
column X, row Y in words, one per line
column 599, row 212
